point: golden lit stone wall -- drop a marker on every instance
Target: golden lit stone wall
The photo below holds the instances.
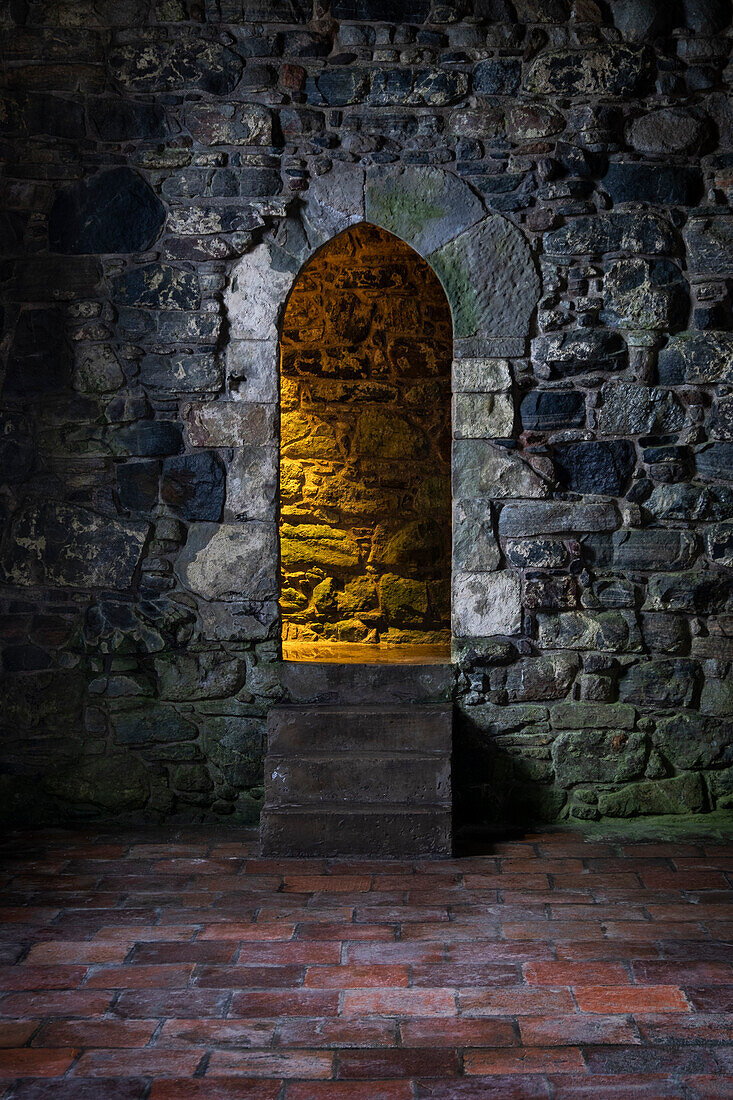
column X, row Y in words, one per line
column 365, row 448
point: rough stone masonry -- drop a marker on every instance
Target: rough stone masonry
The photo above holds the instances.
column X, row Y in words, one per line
column 155, row 150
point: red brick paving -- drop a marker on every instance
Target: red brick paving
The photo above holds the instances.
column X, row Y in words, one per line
column 552, row 968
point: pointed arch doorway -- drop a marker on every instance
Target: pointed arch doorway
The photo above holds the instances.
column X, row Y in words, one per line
column 365, row 436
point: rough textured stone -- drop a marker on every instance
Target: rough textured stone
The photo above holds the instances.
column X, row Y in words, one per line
column 645, row 294
column 556, row 517
column 156, row 65
column 653, row 548
column 71, row 547
column 426, row 207
column 540, row 678
column 696, row 358
column 660, row 683
column 548, row 411
column 490, row 279
column 475, row 549
column 595, row 467
column 719, row 544
column 609, row 631
column 709, row 244
column 181, row 373
column 595, row 756
column 481, row 376
column 715, row 461
column 635, row 410
column 157, row 286
column 117, row 782
column 115, row 211
column 681, row 795
column 230, row 560
column 229, row 424
column 485, row 604
column 599, row 70
column 498, row 76
column 483, row 470
column 573, row 353
column 631, row 182
column 193, row 485
column 230, row 124
column 688, row 740
column 482, row 416
column 668, row 131
column 614, row 232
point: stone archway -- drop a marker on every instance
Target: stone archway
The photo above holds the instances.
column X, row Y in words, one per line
column 486, row 268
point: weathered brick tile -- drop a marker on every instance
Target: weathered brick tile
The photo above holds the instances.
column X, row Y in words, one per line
column 569, row 973
column 80, row 1002
column 454, row 974
column 504, row 951
column 605, row 999
column 553, row 930
column 537, row 881
column 606, row 950
column 327, row 884
column 684, row 880
column 289, row 1002
column 698, row 1027
column 210, row 1088
column 334, row 1032
column 458, row 1033
column 76, row 952
column 28, row 977
column 80, row 1088
column 400, row 914
column 308, row 1064
column 523, row 1060
column 245, row 933
column 140, row 977
column 348, row 1090
column 694, row 972
column 216, row 1033
column 288, row 910
column 331, row 931
column 575, row 1028
column 30, row 1062
column 622, row 1086
column 355, row 977
column 248, row 977
column 388, row 953
column 654, row 930
column 454, row 931
column 173, row 1003
column 493, row 1087
column 149, row 1062
column 400, row 1002
column 702, row 1087
column 256, row 866
column 649, row 1059
column 96, row 1033
column 134, row 932
column 188, row 866
column 210, row 951
column 514, row 1001
column 383, row 883
column 297, row 953
column 16, row 1033
column 375, row 1064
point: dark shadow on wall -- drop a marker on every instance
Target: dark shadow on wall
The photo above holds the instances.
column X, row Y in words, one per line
column 497, row 793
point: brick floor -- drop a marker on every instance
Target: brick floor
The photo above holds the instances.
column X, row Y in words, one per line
column 154, row 967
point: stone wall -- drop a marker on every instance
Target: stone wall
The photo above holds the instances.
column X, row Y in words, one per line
column 565, row 169
column 365, row 442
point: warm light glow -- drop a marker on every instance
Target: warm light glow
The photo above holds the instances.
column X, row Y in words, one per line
column 365, row 456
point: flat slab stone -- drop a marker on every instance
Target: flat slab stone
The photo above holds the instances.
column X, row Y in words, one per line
column 425, row 207
column 490, row 278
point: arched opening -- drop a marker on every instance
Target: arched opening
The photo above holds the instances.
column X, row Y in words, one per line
column 365, row 436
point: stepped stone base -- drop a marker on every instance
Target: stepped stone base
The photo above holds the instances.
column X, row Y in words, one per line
column 358, row 780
